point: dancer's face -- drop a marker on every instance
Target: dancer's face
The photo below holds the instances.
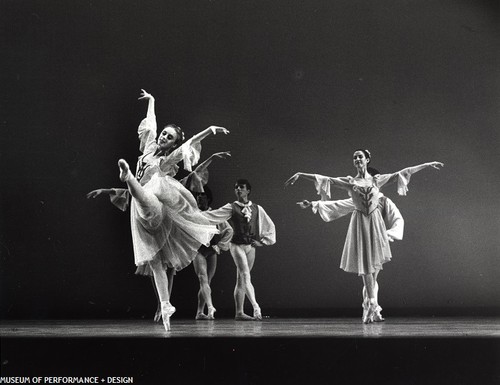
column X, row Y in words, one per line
column 167, row 138
column 359, row 160
column 241, row 192
column 202, row 201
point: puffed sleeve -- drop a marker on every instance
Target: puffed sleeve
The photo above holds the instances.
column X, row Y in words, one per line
column 331, row 210
column 226, row 234
column 267, row 229
column 189, row 152
column 147, row 133
column 393, row 219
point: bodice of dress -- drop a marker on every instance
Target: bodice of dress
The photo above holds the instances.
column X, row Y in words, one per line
column 148, row 165
column 365, row 195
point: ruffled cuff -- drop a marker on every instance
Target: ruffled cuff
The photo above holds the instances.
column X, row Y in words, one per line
column 322, row 184
column 403, row 181
column 120, row 198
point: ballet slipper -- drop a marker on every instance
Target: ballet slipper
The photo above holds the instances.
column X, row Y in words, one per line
column 124, row 170
column 201, row 317
column 166, row 312
column 257, row 314
column 243, row 317
column 211, row 312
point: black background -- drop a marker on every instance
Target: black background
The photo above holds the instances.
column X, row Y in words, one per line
column 300, row 85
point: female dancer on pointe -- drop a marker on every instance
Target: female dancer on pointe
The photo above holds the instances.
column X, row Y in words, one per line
column 330, row 210
column 167, row 226
column 120, row 198
column 366, row 247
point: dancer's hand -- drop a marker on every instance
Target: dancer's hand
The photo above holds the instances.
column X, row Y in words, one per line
column 216, row 129
column 216, row 249
column 257, row 243
column 146, row 95
column 293, row 179
column 304, row 204
column 436, row 165
column 96, row 193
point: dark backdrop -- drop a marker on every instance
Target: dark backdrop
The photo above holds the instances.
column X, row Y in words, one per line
column 300, row 85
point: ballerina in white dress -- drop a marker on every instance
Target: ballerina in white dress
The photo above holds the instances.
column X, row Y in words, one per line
column 366, row 247
column 167, row 226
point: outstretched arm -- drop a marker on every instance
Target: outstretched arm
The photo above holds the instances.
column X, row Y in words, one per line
column 403, row 176
column 297, row 175
column 119, row 197
column 208, row 131
column 101, row 191
column 221, row 155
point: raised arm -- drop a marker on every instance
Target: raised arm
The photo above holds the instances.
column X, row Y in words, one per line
column 151, row 103
column 147, row 127
column 208, row 131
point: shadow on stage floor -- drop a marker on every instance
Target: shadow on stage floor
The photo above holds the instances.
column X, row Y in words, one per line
column 306, row 351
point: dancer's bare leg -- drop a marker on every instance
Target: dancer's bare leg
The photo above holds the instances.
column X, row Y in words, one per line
column 170, row 276
column 244, row 286
column 377, row 317
column 369, row 283
column 161, row 281
column 204, row 293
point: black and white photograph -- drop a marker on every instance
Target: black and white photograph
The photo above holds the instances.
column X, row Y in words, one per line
column 250, row 192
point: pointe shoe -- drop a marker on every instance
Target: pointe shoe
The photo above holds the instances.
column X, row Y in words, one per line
column 377, row 315
column 257, row 314
column 166, row 312
column 211, row 313
column 366, row 306
column 368, row 317
column 124, row 170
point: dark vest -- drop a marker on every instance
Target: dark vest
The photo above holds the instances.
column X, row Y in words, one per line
column 244, row 232
column 207, row 251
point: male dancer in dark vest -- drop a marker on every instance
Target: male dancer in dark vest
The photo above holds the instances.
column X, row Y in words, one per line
column 252, row 228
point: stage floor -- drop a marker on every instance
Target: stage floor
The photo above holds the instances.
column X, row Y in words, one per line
column 268, row 328
column 417, row 350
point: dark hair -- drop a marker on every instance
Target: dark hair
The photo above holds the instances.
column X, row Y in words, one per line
column 372, row 171
column 179, row 132
column 367, row 153
column 245, row 182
